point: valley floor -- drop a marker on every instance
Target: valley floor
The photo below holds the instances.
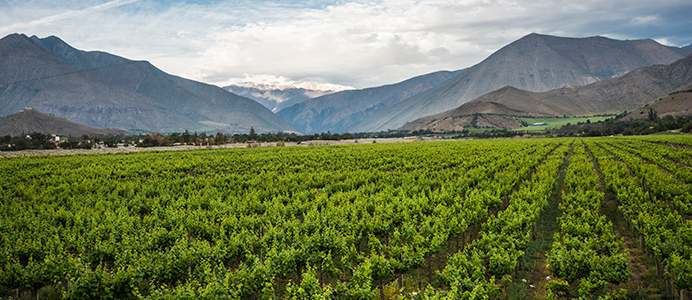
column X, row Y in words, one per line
column 544, row 218
column 130, row 149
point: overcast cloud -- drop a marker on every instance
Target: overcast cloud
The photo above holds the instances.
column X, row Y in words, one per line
column 356, row 43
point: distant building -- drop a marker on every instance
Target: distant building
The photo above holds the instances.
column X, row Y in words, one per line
column 540, row 124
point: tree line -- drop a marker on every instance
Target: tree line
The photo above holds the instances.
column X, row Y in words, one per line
column 37, row 140
column 651, row 124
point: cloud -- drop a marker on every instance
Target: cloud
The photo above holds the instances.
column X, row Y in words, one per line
column 45, row 21
column 358, row 43
column 354, row 38
column 439, row 52
column 388, row 41
column 644, row 20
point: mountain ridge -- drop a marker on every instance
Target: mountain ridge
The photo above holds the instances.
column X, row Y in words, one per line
column 105, row 90
column 30, row 75
column 630, row 91
column 535, row 63
column 677, row 103
column 338, row 112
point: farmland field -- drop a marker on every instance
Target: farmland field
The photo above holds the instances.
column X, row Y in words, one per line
column 554, row 123
column 530, row 218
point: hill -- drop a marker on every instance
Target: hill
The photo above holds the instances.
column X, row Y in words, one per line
column 624, row 93
column 534, row 63
column 99, row 89
column 677, row 103
column 340, row 111
column 31, row 120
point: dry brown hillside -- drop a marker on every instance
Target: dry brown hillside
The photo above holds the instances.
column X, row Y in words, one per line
column 677, row 103
column 31, row 120
column 624, row 93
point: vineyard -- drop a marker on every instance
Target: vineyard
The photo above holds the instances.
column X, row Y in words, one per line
column 483, row 219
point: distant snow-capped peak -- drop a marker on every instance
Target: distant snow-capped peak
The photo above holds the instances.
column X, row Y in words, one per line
column 309, row 85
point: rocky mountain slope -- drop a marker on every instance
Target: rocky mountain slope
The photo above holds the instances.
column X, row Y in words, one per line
column 624, row 93
column 677, row 103
column 99, row 89
column 340, row 111
column 534, row 63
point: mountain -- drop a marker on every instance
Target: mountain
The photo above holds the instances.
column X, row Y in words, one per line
column 99, row 89
column 340, row 111
column 30, row 78
column 624, row 93
column 534, row 63
column 31, row 120
column 677, row 103
column 278, row 97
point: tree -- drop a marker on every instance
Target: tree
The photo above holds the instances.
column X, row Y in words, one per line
column 687, row 128
column 253, row 134
column 149, row 141
column 41, row 141
column 653, row 115
column 174, row 137
column 185, row 138
column 220, row 138
column 110, row 141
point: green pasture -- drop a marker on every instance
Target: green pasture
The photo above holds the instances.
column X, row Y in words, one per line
column 557, row 122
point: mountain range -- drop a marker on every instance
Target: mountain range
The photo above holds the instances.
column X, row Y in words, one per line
column 277, row 97
column 501, row 108
column 537, row 75
column 534, row 63
column 99, row 89
column 339, row 112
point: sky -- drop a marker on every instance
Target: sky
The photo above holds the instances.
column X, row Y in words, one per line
column 353, row 43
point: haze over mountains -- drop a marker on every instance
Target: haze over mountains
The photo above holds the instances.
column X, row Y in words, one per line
column 339, row 112
column 277, row 97
column 624, row 93
column 537, row 75
column 98, row 89
column 535, row 63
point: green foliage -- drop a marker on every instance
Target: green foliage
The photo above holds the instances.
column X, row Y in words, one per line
column 309, row 288
column 554, row 123
column 35, row 140
column 585, row 250
column 556, row 288
column 646, row 177
column 681, row 269
column 318, row 222
column 615, row 126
